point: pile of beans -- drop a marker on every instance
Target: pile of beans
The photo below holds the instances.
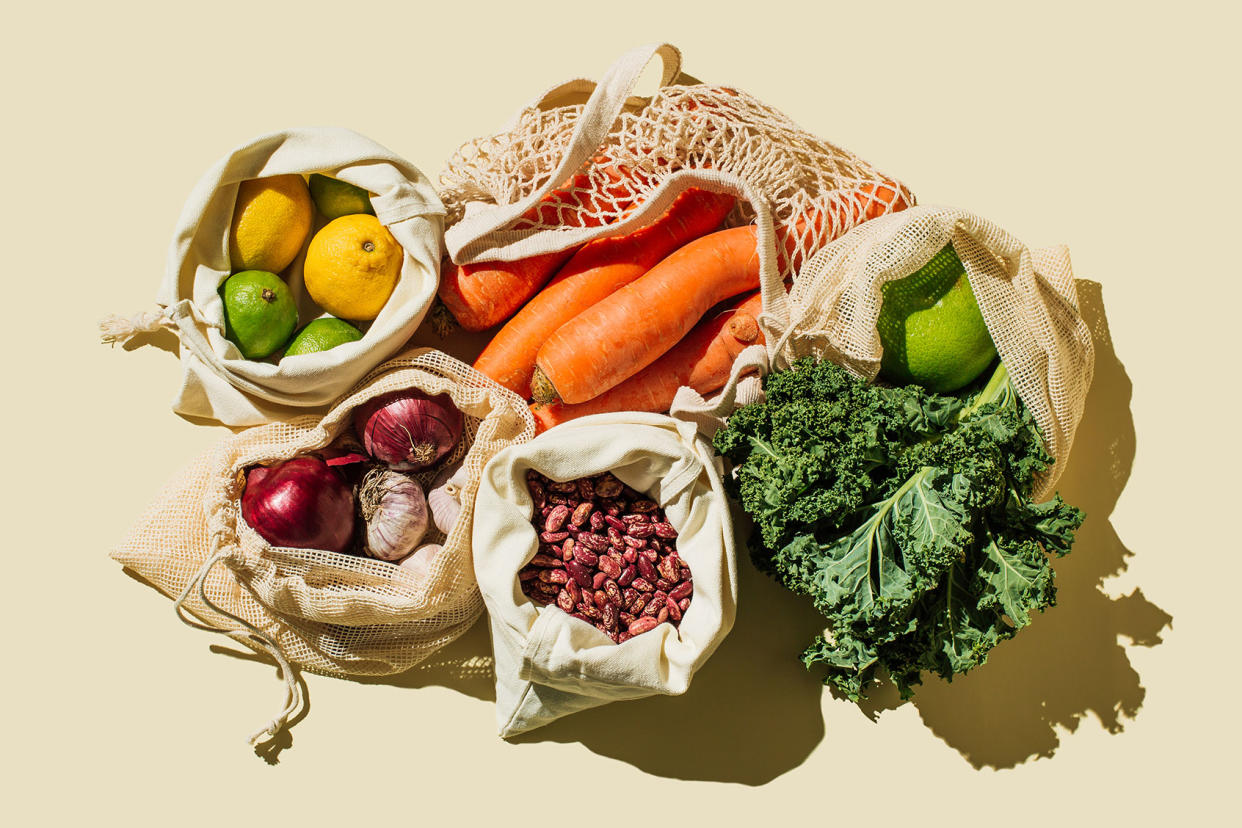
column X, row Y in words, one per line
column 607, row 555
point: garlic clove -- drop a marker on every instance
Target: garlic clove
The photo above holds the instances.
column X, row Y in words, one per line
column 419, row 563
column 444, row 499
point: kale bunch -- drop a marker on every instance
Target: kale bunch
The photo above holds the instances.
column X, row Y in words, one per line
column 905, row 516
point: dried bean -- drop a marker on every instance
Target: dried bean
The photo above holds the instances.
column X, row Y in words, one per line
column 613, row 592
column 642, row 585
column 629, row 556
column 556, row 519
column 665, row 530
column 646, row 569
column 652, row 608
column 608, row 486
column 528, row 575
column 663, row 584
column 631, row 519
column 624, row 636
column 683, row 604
column 581, row 514
column 674, row 611
column 581, row 574
column 586, row 489
column 638, row 530
column 612, row 508
column 662, row 615
column 597, row 580
column 659, row 596
column 625, row 618
column 575, row 593
column 642, row 625
column 537, row 492
column 553, row 537
column 614, row 523
column 627, row 575
column 559, row 500
column 650, row 554
column 682, row 590
column 564, row 600
column 614, row 538
column 609, row 613
column 585, row 556
column 567, row 550
column 563, row 486
column 597, row 521
column 610, row 567
column 639, row 603
column 634, row 543
column 643, row 506
column 594, row 542
column 545, row 560
column 589, row 610
column 601, row 598
column 628, row 595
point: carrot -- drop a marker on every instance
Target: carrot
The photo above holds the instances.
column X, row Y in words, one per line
column 598, row 269
column 702, row 361
column 482, row 294
column 624, row 333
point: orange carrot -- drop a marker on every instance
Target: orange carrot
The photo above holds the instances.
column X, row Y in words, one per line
column 702, row 361
column 482, row 294
column 597, row 270
column 624, row 333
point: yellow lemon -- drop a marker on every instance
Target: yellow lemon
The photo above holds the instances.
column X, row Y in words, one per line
column 352, row 266
column 271, row 220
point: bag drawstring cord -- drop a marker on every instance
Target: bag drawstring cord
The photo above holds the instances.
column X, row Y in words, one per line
column 249, row 634
column 115, row 329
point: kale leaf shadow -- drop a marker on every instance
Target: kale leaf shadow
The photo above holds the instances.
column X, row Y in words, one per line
column 1071, row 661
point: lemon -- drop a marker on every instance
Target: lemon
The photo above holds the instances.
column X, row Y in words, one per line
column 352, row 266
column 271, row 219
column 931, row 328
column 259, row 312
column 335, row 198
column 322, row 335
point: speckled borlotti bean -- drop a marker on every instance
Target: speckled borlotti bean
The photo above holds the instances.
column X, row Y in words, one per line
column 607, row 556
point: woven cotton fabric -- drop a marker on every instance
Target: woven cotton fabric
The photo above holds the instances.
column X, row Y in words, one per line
column 328, row 613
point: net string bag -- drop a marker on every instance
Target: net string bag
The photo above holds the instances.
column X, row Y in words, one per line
column 1028, row 300
column 328, row 613
column 587, row 160
column 217, row 382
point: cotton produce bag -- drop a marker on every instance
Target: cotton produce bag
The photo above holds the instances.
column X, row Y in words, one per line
column 587, row 160
column 217, row 382
column 550, row 664
column 329, row 613
column 1028, row 300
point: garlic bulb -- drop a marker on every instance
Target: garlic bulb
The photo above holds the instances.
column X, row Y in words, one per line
column 419, row 564
column 392, row 505
column 444, row 499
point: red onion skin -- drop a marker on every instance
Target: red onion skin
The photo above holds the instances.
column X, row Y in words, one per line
column 300, row 503
column 408, row 430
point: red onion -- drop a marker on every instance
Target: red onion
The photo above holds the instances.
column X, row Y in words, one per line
column 408, row 430
column 300, row 503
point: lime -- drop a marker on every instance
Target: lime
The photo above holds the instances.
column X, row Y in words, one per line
column 931, row 328
column 322, row 334
column 336, row 198
column 259, row 312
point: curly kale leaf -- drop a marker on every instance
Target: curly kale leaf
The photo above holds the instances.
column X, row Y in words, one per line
column 905, row 517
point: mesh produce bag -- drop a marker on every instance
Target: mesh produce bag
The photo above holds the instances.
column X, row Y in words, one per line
column 1028, row 300
column 587, row 160
column 218, row 383
column 550, row 664
column 329, row 613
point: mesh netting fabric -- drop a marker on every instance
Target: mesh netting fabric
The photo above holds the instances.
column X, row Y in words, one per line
column 563, row 174
column 1028, row 299
column 329, row 613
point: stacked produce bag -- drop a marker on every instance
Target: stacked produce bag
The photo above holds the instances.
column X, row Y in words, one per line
column 689, row 298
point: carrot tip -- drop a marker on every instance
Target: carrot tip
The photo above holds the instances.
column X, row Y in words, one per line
column 541, row 388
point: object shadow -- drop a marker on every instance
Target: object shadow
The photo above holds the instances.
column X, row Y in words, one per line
column 163, row 339
column 1071, row 661
column 752, row 711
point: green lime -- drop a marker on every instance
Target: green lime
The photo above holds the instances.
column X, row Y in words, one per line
column 259, row 312
column 335, row 198
column 322, row 334
column 931, row 327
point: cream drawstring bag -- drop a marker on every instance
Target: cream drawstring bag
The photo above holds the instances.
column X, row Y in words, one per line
column 593, row 161
column 329, row 613
column 550, row 664
column 217, row 382
column 1028, row 300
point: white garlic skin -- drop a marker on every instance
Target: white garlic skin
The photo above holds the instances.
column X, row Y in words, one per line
column 444, row 499
column 419, row 563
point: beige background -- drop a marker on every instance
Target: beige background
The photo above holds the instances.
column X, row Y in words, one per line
column 1110, row 128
